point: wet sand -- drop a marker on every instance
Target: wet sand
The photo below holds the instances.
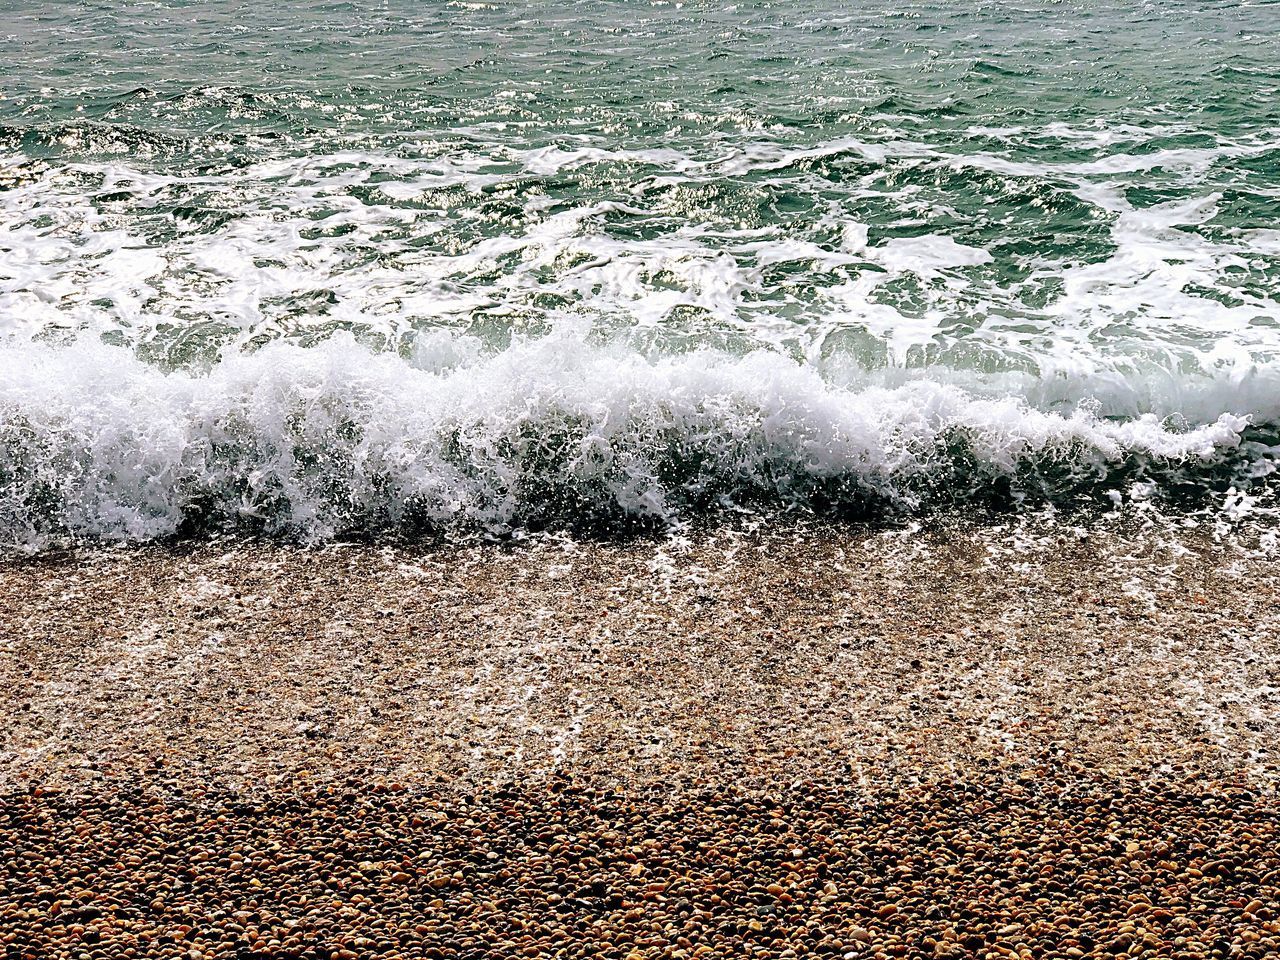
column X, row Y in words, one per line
column 1034, row 740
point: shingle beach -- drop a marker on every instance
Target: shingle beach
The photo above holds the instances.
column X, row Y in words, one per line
column 979, row 742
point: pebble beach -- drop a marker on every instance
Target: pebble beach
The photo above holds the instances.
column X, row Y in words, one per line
column 760, row 742
column 659, row 480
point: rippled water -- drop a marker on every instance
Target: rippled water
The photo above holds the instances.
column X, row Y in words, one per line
column 322, row 266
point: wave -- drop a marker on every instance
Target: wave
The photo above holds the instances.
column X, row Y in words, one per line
column 453, row 439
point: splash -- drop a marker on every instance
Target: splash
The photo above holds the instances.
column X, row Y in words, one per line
column 456, row 439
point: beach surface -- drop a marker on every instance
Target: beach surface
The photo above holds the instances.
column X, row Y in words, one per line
column 316, row 316
column 1032, row 739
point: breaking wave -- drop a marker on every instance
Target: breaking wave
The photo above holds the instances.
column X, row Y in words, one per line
column 453, row 439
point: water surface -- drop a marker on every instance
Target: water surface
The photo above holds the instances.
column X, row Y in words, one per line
column 330, row 266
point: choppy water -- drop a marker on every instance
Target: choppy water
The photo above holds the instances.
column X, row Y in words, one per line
column 317, row 267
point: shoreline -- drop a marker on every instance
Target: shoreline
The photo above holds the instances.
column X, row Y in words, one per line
column 811, row 651
column 1034, row 741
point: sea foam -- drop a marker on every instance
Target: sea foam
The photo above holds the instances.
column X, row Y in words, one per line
column 454, row 438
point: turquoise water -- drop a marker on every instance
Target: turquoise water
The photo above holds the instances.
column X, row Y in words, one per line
column 317, row 267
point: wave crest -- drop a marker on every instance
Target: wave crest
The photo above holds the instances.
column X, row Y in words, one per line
column 331, row 439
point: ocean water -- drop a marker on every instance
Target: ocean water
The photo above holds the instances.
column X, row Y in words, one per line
column 316, row 268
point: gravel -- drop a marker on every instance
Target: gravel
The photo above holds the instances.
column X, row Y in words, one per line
column 1050, row 864
column 1032, row 740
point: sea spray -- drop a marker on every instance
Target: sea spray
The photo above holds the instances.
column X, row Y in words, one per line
column 335, row 438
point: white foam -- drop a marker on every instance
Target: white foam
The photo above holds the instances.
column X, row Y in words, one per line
column 71, row 260
column 373, row 241
column 332, row 437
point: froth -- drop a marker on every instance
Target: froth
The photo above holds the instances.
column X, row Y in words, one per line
column 454, row 438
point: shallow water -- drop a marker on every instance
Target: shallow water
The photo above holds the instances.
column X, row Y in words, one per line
column 317, row 267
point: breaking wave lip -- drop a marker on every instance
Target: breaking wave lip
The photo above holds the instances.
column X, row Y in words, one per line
column 333, row 439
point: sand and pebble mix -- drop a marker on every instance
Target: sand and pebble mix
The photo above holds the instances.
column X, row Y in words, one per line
column 1021, row 741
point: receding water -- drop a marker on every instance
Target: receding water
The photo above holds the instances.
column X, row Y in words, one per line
column 326, row 266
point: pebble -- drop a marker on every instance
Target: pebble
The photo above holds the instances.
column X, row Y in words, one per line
column 978, row 867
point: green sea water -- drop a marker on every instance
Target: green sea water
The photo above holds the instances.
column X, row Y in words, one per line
column 617, row 256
